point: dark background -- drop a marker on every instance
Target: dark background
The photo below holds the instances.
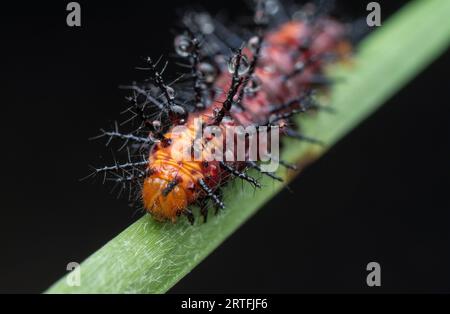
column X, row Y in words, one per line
column 380, row 195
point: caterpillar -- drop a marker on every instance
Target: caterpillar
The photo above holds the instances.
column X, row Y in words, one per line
column 257, row 79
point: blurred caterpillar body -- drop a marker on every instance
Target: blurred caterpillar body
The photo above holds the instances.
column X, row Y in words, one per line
column 267, row 80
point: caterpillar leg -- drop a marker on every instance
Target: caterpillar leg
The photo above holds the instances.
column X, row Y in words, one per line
column 241, row 175
column 202, row 203
column 254, row 165
column 189, row 215
column 283, row 163
column 210, row 194
column 219, row 193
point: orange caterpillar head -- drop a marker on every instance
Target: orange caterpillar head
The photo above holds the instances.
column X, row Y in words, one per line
column 173, row 183
column 158, row 202
column 170, row 188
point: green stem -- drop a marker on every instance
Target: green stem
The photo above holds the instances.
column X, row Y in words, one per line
column 150, row 257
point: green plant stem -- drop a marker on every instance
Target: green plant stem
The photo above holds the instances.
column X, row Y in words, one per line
column 150, row 257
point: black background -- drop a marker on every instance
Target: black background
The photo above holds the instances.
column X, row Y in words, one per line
column 379, row 195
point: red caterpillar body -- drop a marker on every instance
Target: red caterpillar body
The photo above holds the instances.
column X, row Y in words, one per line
column 279, row 70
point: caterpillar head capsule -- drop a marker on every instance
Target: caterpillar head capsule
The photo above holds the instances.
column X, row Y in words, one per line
column 164, row 195
column 170, row 187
